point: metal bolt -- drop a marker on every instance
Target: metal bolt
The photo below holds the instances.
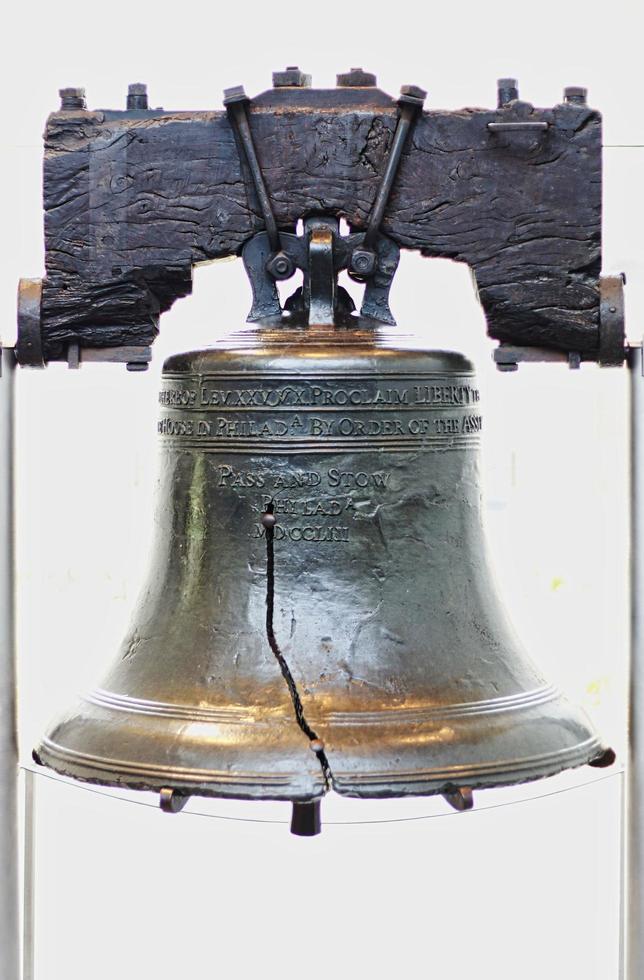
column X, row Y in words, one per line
column 576, row 94
column 356, row 78
column 235, row 94
column 269, row 520
column 363, row 262
column 317, row 745
column 137, row 96
column 507, row 91
column 280, row 266
column 72, row 98
column 413, row 95
column 291, row 78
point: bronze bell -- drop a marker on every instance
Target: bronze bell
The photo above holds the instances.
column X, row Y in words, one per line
column 320, row 611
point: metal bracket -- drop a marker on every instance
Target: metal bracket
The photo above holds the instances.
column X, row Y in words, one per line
column 322, row 278
column 507, row 357
column 518, row 127
column 369, row 256
column 612, row 333
column 278, row 264
column 612, row 341
column 513, row 118
column 266, row 301
column 460, row 798
column 29, row 351
column 134, row 358
column 171, row 800
column 363, row 262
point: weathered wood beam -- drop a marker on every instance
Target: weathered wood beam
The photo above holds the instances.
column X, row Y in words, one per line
column 134, row 199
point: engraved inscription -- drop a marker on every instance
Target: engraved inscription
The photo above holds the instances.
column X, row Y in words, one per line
column 228, row 476
column 330, row 493
column 280, row 414
column 364, row 420
column 317, row 428
column 312, row 395
column 308, row 532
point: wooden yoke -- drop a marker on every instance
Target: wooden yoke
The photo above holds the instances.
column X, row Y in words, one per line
column 134, row 199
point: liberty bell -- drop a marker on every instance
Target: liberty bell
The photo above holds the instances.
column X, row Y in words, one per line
column 320, row 612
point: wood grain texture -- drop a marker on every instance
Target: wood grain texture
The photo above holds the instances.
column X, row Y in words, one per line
column 134, row 200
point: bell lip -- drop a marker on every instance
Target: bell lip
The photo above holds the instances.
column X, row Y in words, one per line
column 381, row 785
column 238, row 785
column 490, row 776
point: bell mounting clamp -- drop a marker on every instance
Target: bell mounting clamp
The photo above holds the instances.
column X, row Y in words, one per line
column 369, row 257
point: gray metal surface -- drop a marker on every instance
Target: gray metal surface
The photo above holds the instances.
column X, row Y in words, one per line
column 634, row 854
column 29, row 877
column 9, row 891
column 384, row 606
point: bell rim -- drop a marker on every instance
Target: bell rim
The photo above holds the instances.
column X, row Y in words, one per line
column 283, row 786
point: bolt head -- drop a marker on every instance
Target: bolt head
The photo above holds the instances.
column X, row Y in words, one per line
column 415, row 90
column 137, row 96
column 508, row 90
column 412, row 95
column 235, row 94
column 363, row 262
column 575, row 93
column 291, row 78
column 316, row 745
column 280, row 266
column 269, row 520
column 356, row 78
column 72, row 98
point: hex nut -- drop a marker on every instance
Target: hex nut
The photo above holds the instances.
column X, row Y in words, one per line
column 356, row 78
column 137, row 96
column 363, row 262
column 292, row 77
column 72, row 98
column 576, row 94
column 235, row 94
column 412, row 95
column 280, row 266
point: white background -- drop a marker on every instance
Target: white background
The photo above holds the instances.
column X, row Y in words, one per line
column 529, row 889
